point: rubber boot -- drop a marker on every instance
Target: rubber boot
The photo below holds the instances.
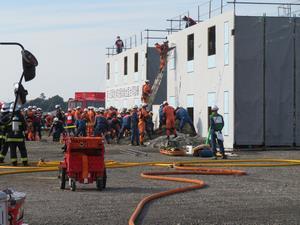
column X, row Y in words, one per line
column 25, row 163
column 215, row 156
column 14, row 163
column 1, row 160
column 224, row 156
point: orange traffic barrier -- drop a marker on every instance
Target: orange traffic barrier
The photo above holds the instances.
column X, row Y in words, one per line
column 189, row 170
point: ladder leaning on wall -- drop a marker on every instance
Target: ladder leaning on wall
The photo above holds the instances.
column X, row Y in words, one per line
column 157, row 82
column 155, row 88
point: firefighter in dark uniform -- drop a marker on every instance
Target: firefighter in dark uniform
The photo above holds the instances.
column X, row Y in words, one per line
column 15, row 137
column 4, row 119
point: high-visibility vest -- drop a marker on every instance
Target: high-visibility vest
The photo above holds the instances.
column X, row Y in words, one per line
column 70, row 118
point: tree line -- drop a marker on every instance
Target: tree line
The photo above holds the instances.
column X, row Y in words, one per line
column 47, row 105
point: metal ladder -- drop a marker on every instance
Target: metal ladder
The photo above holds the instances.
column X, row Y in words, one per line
column 155, row 88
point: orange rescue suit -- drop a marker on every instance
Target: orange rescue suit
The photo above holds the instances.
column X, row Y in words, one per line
column 169, row 112
column 163, row 51
column 91, row 121
column 146, row 89
column 143, row 114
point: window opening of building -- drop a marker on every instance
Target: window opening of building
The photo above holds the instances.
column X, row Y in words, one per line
column 107, row 71
column 125, row 65
column 226, row 113
column 190, row 47
column 226, row 43
column 212, row 40
column 136, row 62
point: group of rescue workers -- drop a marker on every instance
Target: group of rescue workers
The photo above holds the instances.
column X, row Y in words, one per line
column 108, row 123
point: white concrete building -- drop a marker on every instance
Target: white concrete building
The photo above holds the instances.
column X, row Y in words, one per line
column 126, row 73
column 246, row 66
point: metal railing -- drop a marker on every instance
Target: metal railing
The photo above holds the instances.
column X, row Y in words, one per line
column 206, row 11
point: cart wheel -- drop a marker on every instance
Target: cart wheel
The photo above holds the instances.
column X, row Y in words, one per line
column 73, row 185
column 63, row 179
column 104, row 178
column 99, row 183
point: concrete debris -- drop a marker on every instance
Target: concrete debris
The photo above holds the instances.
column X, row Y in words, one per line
column 181, row 141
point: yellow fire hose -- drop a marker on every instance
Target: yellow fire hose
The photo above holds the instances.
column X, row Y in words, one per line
column 189, row 167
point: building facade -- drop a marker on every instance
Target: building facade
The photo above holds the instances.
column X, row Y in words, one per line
column 126, row 73
column 248, row 67
column 201, row 72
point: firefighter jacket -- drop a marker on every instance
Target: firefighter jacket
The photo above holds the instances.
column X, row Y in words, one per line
column 16, row 136
column 216, row 122
column 101, row 123
column 134, row 119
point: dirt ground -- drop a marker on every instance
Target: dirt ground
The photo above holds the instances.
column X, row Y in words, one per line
column 264, row 196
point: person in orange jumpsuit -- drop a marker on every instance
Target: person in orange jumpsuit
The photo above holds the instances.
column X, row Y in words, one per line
column 49, row 120
column 91, row 121
column 78, row 113
column 143, row 115
column 169, row 114
column 146, row 91
column 163, row 53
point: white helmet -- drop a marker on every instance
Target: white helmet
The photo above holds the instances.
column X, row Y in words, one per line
column 215, row 108
column 78, row 107
column 30, row 107
column 55, row 119
column 144, row 105
column 34, row 107
column 57, row 106
column 49, row 113
column 85, row 110
column 147, row 81
column 69, row 109
column 11, row 108
column 165, row 103
column 135, row 107
column 39, row 109
column 5, row 107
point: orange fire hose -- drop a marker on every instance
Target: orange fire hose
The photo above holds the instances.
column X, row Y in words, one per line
column 189, row 170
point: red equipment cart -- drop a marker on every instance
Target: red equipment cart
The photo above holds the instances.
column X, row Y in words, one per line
column 83, row 162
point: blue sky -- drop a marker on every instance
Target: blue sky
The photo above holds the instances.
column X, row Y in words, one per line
column 69, row 38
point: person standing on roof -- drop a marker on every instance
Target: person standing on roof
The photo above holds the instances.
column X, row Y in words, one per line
column 134, row 126
column 216, row 126
column 188, row 21
column 119, row 45
column 169, row 114
column 146, row 91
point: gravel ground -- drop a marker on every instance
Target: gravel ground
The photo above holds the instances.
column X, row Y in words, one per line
column 264, row 196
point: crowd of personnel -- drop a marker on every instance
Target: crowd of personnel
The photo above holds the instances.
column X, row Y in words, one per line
column 111, row 124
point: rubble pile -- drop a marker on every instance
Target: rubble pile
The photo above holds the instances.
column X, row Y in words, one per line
column 180, row 141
